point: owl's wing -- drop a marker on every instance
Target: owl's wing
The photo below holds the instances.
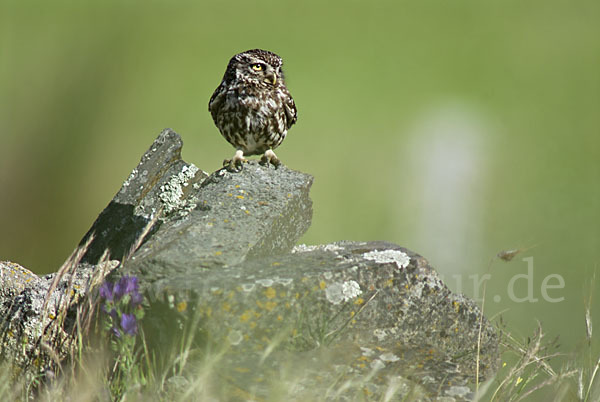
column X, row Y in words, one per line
column 216, row 101
column 290, row 110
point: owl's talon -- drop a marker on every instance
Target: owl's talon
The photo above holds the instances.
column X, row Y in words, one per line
column 235, row 164
column 230, row 166
column 269, row 157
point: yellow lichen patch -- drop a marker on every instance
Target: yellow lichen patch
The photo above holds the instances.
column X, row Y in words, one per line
column 282, row 294
column 242, row 369
column 218, row 252
column 270, row 305
column 406, row 286
column 229, row 195
column 363, row 358
column 252, row 324
column 270, row 293
column 359, row 301
column 245, row 316
column 322, row 285
column 246, row 212
column 297, row 295
column 276, row 264
column 279, row 317
column 226, row 307
column 389, row 283
column 237, row 186
column 239, row 197
column 289, row 195
column 226, row 220
column 181, row 306
column 51, row 316
column 205, row 312
column 456, row 306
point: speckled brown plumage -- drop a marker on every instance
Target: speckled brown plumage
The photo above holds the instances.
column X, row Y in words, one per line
column 252, row 108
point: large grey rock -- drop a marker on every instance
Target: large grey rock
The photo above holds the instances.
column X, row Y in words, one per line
column 215, row 259
column 257, row 212
column 159, row 184
column 36, row 325
column 346, row 318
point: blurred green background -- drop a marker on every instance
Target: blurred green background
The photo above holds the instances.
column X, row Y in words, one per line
column 457, row 129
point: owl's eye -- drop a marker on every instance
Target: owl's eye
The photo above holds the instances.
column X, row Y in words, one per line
column 257, row 67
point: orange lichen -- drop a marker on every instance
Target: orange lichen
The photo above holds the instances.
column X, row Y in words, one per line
column 181, row 306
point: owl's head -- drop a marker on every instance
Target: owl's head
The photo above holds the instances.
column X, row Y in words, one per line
column 256, row 66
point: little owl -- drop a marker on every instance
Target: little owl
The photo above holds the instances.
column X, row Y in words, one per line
column 252, row 108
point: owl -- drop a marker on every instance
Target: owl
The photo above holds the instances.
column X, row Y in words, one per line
column 252, row 108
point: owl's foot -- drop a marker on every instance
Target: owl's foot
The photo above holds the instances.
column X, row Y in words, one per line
column 235, row 164
column 270, row 158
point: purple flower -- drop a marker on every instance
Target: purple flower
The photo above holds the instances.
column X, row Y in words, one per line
column 130, row 283
column 136, row 299
column 129, row 324
column 126, row 285
column 106, row 291
column 113, row 313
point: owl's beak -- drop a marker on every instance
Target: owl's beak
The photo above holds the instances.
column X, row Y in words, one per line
column 272, row 78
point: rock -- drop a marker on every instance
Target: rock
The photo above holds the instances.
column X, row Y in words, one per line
column 215, row 258
column 369, row 315
column 30, row 308
column 257, row 212
column 157, row 186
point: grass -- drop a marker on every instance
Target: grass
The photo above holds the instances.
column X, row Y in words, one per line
column 191, row 374
column 527, row 371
